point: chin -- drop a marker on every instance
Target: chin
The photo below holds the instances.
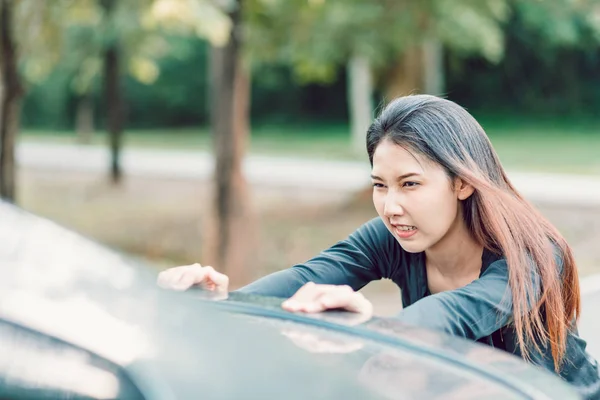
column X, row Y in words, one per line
column 411, row 247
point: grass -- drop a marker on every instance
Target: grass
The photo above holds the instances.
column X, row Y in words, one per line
column 548, row 145
column 542, row 144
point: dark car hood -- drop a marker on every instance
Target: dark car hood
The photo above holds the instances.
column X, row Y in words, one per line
column 457, row 353
column 177, row 346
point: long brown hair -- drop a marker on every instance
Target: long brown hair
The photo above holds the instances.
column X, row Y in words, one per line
column 542, row 273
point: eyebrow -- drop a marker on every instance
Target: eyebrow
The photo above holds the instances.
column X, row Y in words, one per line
column 407, row 175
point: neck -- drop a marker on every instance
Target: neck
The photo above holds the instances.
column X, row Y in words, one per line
column 457, row 253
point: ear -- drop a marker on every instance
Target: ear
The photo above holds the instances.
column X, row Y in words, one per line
column 463, row 189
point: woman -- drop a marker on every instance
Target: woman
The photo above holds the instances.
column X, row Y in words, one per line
column 472, row 257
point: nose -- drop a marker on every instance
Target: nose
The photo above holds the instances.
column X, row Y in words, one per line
column 392, row 206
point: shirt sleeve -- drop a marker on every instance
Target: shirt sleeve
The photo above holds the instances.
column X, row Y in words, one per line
column 473, row 311
column 366, row 255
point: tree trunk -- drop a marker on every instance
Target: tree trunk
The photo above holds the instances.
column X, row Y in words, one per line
column 433, row 67
column 11, row 92
column 360, row 91
column 420, row 69
column 114, row 105
column 230, row 236
column 84, row 119
column 405, row 77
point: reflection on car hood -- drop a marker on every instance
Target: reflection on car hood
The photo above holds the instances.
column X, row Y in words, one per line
column 60, row 284
column 176, row 346
column 464, row 355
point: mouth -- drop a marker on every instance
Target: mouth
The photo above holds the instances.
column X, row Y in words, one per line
column 404, row 231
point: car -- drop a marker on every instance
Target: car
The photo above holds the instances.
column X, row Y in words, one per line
column 81, row 321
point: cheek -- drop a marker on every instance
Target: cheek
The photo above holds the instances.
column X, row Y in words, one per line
column 446, row 210
column 378, row 202
column 436, row 209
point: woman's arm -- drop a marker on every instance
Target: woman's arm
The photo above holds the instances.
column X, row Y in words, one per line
column 363, row 257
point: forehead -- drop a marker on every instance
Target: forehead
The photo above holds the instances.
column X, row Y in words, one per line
column 393, row 158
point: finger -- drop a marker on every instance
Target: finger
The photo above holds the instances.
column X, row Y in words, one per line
column 161, row 280
column 307, row 298
column 349, row 300
column 173, row 275
column 346, row 298
column 220, row 280
column 168, row 277
column 181, row 278
column 291, row 305
column 311, row 291
column 187, row 280
column 360, row 304
column 303, row 296
column 312, row 307
column 337, row 297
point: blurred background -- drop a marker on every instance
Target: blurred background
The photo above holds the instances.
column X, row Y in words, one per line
column 231, row 132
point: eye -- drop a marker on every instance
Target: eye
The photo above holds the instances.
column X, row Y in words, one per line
column 410, row 184
column 378, row 185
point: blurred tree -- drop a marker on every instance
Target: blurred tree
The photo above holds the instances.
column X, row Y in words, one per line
column 81, row 61
column 10, row 95
column 232, row 229
column 112, row 92
column 551, row 63
column 536, row 74
column 403, row 43
column 109, row 38
column 131, row 33
column 23, row 56
column 397, row 44
column 120, row 33
column 112, row 39
column 231, row 225
column 135, row 36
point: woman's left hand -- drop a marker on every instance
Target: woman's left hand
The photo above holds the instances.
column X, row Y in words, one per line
column 313, row 298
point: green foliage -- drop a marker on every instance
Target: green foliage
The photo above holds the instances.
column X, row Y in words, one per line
column 130, row 26
column 472, row 27
column 39, row 36
column 561, row 22
column 178, row 96
column 545, row 71
column 501, row 55
column 318, row 37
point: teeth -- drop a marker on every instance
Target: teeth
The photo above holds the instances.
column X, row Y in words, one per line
column 406, row 228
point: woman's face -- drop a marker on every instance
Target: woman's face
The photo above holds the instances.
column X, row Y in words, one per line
column 414, row 196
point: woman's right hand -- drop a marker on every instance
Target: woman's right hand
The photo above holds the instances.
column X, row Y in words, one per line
column 184, row 277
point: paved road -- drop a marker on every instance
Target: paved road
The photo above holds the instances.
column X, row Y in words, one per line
column 589, row 326
column 272, row 171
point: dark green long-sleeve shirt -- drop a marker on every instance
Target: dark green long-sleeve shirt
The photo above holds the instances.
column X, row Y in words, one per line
column 480, row 311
